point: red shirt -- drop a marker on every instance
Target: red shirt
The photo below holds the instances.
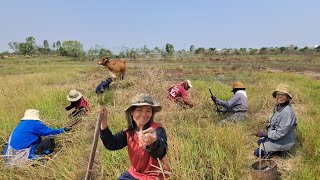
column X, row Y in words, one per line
column 83, row 103
column 140, row 159
column 178, row 91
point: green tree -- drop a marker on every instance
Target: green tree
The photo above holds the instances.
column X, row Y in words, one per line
column 58, row 44
column 263, row 50
column 169, row 49
column 158, row 50
column 71, row 48
column 146, row 50
column 253, row 51
column 283, row 49
column 305, row 49
column 29, row 47
column 54, row 46
column 93, row 53
column 46, row 46
column 200, row 50
column 14, row 46
column 58, row 47
column 105, row 52
column 243, row 50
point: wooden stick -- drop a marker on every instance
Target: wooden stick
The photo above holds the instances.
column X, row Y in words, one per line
column 94, row 147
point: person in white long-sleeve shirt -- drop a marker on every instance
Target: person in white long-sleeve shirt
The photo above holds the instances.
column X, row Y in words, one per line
column 236, row 107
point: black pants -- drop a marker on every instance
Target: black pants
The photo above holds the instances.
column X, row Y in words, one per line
column 45, row 146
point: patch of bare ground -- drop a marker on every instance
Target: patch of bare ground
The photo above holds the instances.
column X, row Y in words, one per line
column 285, row 165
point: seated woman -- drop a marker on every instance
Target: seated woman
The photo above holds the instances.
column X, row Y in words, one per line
column 25, row 141
column 236, row 108
column 280, row 135
column 78, row 102
column 146, row 139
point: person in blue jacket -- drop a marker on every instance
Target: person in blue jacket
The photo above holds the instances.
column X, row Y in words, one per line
column 25, row 142
column 103, row 86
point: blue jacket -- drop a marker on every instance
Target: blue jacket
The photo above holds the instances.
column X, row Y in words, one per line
column 28, row 133
column 103, row 86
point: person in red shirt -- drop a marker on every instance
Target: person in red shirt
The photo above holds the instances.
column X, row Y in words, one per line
column 146, row 140
column 178, row 93
column 78, row 102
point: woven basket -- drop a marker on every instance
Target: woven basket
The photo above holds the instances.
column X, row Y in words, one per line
column 264, row 169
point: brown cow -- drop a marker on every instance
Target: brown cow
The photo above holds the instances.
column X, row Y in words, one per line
column 117, row 68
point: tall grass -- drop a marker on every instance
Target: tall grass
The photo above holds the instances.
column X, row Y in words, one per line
column 198, row 148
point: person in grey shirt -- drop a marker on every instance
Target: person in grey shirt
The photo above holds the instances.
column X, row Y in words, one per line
column 237, row 107
column 280, row 135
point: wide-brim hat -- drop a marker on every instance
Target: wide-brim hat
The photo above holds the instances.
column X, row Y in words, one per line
column 282, row 88
column 237, row 85
column 144, row 100
column 74, row 96
column 31, row 114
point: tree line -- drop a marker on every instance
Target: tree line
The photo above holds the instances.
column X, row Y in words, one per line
column 73, row 48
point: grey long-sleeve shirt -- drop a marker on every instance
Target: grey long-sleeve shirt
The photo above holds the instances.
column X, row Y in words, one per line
column 238, row 103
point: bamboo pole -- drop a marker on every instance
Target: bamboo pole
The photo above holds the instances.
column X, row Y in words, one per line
column 94, row 147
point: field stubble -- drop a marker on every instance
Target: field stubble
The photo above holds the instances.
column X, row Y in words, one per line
column 198, row 148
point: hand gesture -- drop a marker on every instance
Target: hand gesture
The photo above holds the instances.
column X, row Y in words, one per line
column 147, row 137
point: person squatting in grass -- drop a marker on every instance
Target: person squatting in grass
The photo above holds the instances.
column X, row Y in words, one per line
column 25, row 141
column 77, row 101
column 178, row 93
column 103, row 86
column 280, row 135
column 146, row 139
column 236, row 108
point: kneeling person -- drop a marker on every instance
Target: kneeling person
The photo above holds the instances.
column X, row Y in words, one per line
column 178, row 93
column 25, row 141
column 237, row 106
column 280, row 135
column 103, row 86
column 77, row 101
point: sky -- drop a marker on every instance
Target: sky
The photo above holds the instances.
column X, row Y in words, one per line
column 115, row 24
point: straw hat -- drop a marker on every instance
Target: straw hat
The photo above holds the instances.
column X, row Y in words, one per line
column 189, row 83
column 74, row 96
column 237, row 85
column 282, row 88
column 144, row 100
column 31, row 114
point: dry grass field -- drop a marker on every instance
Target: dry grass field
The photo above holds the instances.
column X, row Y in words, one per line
column 198, row 147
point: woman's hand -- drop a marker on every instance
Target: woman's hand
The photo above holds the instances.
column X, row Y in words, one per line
column 147, row 137
column 104, row 113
